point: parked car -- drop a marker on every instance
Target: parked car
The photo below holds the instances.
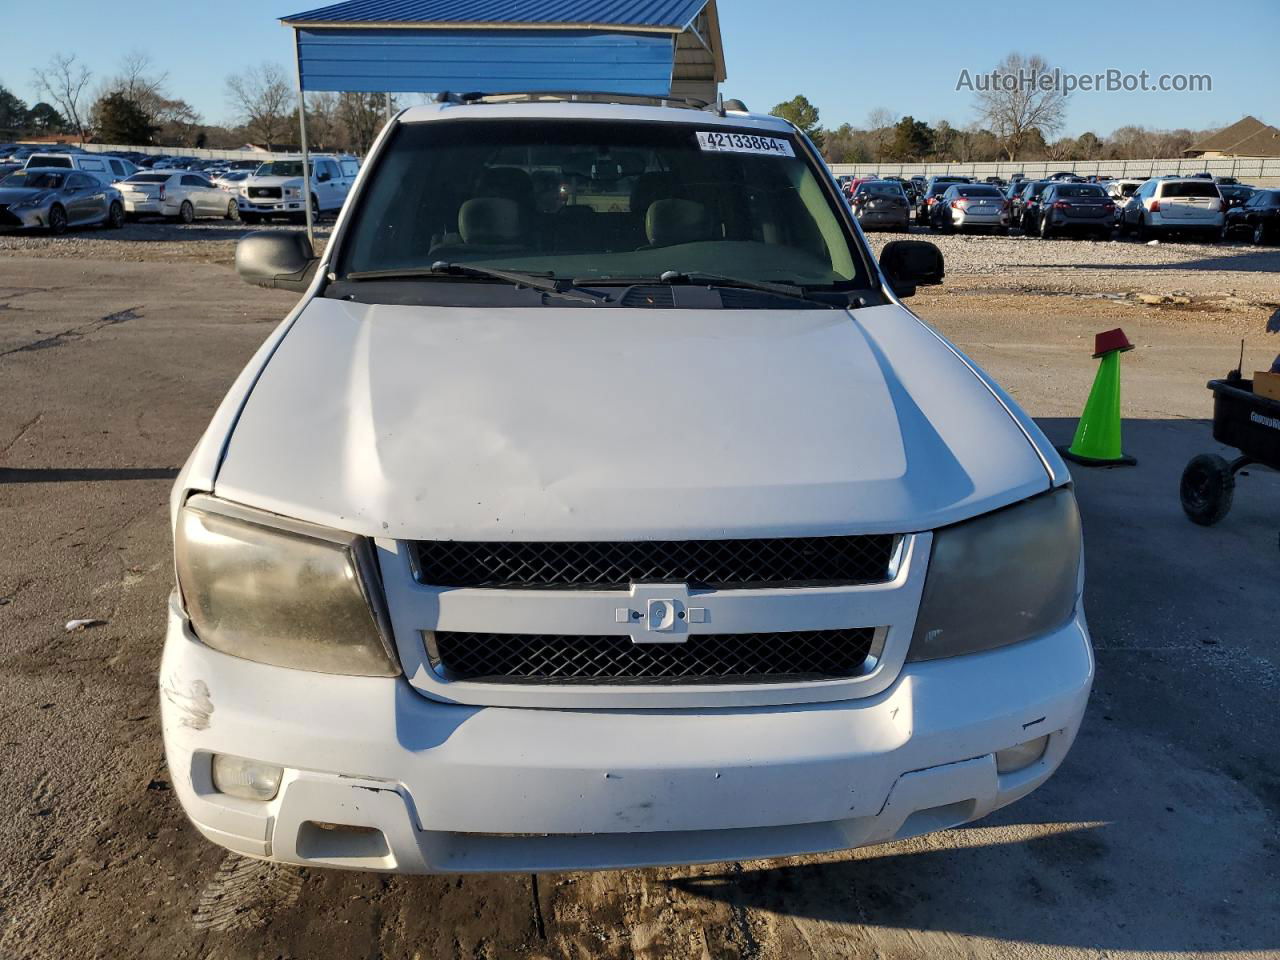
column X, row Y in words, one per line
column 106, row 169
column 1076, row 208
column 275, row 189
column 1235, row 195
column 1025, row 209
column 231, row 180
column 971, row 206
column 933, row 191
column 1120, row 191
column 179, row 194
column 56, row 199
column 436, row 612
column 1065, row 176
column 883, row 204
column 1174, row 204
column 1229, row 181
column 1258, row 217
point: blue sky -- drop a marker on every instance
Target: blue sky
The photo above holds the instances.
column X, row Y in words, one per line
column 848, row 58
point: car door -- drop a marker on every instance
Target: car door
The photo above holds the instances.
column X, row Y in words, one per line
column 210, row 196
column 328, row 189
column 85, row 198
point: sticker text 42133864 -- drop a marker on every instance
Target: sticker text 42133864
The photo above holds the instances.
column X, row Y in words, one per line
column 744, row 143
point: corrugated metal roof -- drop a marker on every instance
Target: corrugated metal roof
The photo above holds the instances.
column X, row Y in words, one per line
column 672, row 15
column 371, row 60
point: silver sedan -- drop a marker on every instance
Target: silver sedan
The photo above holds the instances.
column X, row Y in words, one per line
column 56, row 199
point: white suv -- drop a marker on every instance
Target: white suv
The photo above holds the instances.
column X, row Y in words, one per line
column 275, row 188
column 601, row 504
column 1168, row 204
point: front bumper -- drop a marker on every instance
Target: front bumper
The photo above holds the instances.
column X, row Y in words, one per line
column 32, row 218
column 269, row 208
column 435, row 787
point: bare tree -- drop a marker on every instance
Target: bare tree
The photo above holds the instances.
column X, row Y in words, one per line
column 1014, row 102
column 362, row 115
column 880, row 123
column 63, row 80
column 264, row 101
column 322, row 120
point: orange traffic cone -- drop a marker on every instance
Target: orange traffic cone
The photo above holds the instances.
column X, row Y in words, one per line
column 1097, row 441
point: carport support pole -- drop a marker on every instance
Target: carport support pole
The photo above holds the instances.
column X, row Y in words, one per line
column 302, row 129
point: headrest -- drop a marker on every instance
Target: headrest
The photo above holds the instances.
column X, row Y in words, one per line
column 489, row 221
column 510, row 182
column 676, row 221
column 650, row 187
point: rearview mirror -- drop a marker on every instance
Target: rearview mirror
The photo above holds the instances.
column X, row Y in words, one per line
column 907, row 264
column 281, row 261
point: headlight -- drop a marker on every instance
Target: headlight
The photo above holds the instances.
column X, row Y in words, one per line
column 282, row 592
column 292, row 192
column 1001, row 578
column 39, row 200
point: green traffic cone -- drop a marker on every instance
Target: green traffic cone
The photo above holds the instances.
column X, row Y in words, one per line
column 1097, row 441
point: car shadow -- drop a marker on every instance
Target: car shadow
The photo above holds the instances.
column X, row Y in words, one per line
column 84, row 474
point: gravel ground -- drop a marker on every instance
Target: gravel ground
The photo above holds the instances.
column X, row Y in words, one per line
column 205, row 241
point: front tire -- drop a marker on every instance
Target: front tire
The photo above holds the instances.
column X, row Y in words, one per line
column 1259, row 235
column 1207, row 490
column 57, row 221
column 233, row 210
column 1142, row 232
column 115, row 216
column 186, row 212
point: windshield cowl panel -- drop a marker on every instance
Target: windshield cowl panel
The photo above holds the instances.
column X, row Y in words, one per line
column 599, row 201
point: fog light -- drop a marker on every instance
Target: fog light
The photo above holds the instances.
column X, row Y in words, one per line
column 1022, row 756
column 246, row 779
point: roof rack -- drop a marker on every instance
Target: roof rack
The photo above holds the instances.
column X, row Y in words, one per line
column 587, row 96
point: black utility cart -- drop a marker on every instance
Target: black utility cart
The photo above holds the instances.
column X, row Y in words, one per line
column 1243, row 420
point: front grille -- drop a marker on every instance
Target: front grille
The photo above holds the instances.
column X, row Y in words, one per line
column 707, row 564
column 265, row 193
column 702, row 659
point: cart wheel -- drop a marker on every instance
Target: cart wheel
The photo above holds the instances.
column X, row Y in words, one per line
column 1208, row 486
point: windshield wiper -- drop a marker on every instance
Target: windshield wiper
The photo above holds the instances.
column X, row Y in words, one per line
column 673, row 277
column 443, row 268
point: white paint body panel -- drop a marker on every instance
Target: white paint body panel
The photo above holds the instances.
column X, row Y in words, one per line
column 578, row 424
column 456, row 788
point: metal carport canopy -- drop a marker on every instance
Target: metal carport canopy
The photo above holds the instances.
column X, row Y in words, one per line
column 495, row 46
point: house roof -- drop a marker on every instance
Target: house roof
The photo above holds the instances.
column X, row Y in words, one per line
column 1264, row 143
column 671, row 16
column 1227, row 139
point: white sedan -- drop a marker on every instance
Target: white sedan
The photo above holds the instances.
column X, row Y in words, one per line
column 177, row 193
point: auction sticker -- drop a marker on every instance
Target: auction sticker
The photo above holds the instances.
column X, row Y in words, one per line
column 744, row 143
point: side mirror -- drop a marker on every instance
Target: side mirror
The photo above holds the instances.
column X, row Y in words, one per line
column 907, row 264
column 281, row 261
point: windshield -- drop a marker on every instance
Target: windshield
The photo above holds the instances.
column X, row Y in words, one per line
column 280, row 168
column 38, row 180
column 883, row 188
column 1084, row 190
column 978, row 191
column 47, row 161
column 601, row 200
column 149, row 178
column 1190, row 188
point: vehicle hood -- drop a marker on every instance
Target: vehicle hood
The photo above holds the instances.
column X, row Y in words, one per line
column 272, row 182
column 12, row 195
column 578, row 423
